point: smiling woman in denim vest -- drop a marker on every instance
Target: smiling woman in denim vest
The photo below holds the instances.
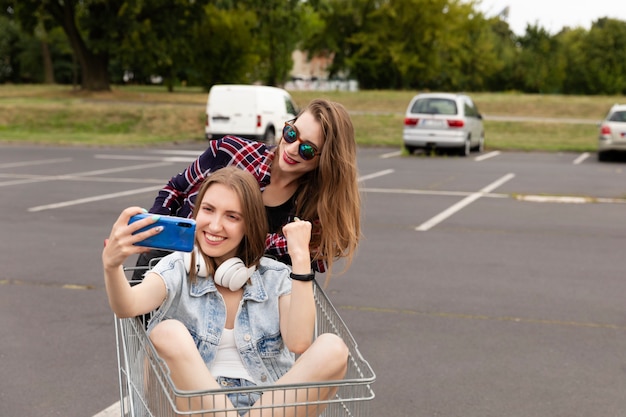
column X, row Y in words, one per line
column 240, row 326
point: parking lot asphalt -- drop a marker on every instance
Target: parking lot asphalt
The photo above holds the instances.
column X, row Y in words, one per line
column 483, row 286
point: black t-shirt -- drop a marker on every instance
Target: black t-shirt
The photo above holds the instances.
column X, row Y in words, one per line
column 279, row 216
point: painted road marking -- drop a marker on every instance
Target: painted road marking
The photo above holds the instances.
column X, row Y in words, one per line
column 390, row 154
column 375, row 175
column 581, row 158
column 94, row 198
column 568, row 199
column 82, row 174
column 487, row 156
column 429, row 192
column 30, row 163
column 145, row 158
column 461, row 204
column 176, row 152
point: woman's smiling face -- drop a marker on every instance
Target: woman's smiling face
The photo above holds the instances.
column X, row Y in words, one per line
column 220, row 226
column 310, row 131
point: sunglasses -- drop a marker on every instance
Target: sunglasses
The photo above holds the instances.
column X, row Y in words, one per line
column 306, row 150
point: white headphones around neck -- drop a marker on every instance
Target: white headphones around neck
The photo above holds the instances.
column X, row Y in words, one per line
column 231, row 274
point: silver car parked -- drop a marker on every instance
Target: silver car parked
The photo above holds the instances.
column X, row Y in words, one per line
column 443, row 120
column 612, row 135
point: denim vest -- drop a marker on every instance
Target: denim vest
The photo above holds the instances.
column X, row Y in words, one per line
column 201, row 308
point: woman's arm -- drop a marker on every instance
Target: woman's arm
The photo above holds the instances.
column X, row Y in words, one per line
column 127, row 301
column 230, row 150
column 297, row 311
column 171, row 198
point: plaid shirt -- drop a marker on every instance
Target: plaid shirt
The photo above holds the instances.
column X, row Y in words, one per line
column 178, row 197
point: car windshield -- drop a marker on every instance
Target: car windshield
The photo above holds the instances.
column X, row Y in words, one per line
column 618, row 116
column 434, row 106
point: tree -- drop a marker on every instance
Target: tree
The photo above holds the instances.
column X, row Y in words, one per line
column 276, row 34
column 466, row 49
column 572, row 44
column 162, row 30
column 10, row 48
column 541, row 65
column 368, row 56
column 88, row 45
column 423, row 44
column 224, row 47
column 332, row 29
column 505, row 48
column 100, row 30
column 605, row 50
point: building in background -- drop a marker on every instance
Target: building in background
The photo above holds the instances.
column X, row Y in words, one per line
column 313, row 74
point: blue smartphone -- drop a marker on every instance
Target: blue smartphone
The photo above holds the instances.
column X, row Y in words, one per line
column 178, row 233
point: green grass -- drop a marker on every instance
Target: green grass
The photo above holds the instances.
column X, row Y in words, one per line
column 551, row 137
column 149, row 116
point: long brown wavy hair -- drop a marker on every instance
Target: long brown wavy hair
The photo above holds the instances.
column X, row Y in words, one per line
column 246, row 187
column 329, row 195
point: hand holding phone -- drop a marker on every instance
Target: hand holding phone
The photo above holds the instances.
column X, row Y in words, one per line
column 178, row 233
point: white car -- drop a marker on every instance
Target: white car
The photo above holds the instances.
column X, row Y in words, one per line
column 444, row 121
column 255, row 112
column 612, row 135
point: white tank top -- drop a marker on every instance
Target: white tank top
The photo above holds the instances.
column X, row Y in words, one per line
column 227, row 361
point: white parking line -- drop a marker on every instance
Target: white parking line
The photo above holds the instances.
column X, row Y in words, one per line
column 145, row 158
column 390, row 154
column 581, row 158
column 94, row 198
column 428, row 192
column 568, row 199
column 553, row 199
column 113, row 410
column 461, row 204
column 176, row 152
column 486, row 156
column 82, row 174
column 40, row 162
column 520, row 197
column 376, row 174
column 111, row 170
column 87, row 179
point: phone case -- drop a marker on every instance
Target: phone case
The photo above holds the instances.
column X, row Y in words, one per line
column 178, row 233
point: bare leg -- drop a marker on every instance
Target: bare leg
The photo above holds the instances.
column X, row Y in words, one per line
column 325, row 360
column 176, row 347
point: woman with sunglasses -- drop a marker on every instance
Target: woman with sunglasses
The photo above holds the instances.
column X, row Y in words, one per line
column 311, row 174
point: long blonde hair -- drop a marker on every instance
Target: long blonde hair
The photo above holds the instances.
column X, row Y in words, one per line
column 245, row 186
column 330, row 193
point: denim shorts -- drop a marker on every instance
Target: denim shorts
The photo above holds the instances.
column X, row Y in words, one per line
column 246, row 399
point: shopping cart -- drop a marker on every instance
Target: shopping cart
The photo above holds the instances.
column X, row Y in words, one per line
column 147, row 390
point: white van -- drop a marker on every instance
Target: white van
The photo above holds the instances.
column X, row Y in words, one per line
column 255, row 112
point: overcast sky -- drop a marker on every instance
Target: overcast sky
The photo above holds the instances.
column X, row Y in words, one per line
column 553, row 15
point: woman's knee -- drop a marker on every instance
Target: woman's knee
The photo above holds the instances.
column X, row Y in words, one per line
column 333, row 343
column 335, row 351
column 168, row 338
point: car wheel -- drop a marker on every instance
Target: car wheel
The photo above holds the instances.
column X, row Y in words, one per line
column 480, row 148
column 465, row 150
column 269, row 137
column 603, row 156
column 410, row 149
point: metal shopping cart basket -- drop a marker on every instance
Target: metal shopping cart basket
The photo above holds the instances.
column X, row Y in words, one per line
column 147, row 390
